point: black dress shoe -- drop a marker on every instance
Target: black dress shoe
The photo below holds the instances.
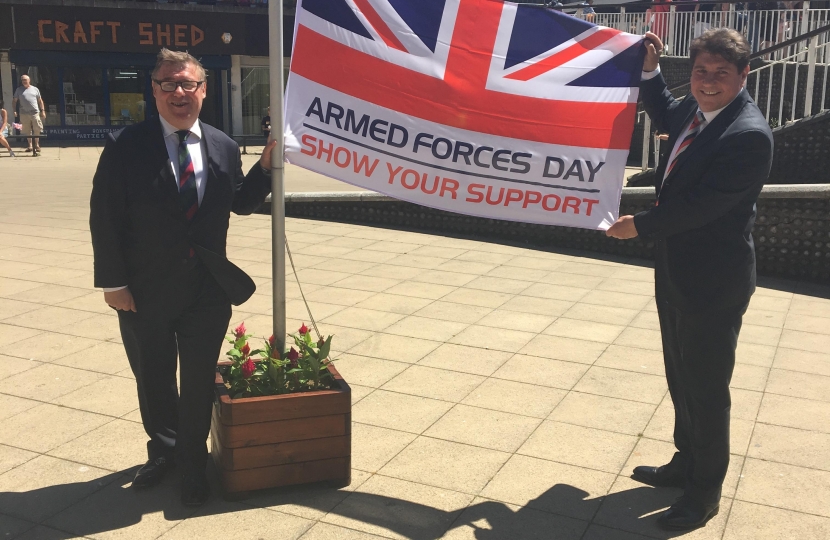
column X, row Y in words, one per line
column 152, row 472
column 672, row 474
column 195, row 490
column 688, row 513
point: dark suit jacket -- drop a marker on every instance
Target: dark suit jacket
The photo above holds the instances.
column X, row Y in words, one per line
column 705, row 257
column 140, row 235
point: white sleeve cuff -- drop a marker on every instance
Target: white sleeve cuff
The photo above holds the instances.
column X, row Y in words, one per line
column 113, row 289
column 648, row 75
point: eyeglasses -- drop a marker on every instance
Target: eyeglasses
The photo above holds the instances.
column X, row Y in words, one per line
column 170, row 86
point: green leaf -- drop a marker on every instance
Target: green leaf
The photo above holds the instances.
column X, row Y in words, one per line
column 324, row 350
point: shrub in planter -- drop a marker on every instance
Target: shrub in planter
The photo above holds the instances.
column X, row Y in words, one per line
column 280, row 419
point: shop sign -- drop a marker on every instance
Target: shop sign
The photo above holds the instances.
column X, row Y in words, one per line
column 127, row 30
column 79, row 132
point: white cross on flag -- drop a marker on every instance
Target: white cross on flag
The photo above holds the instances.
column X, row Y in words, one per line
column 481, row 107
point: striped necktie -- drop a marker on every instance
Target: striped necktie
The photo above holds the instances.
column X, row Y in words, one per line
column 188, row 195
column 691, row 133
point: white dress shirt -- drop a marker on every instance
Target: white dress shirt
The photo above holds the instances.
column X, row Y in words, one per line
column 196, row 147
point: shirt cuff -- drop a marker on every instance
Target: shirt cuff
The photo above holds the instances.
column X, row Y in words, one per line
column 113, row 289
column 648, row 75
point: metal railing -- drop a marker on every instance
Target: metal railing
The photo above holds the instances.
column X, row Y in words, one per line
column 785, row 89
column 678, row 23
column 238, row 3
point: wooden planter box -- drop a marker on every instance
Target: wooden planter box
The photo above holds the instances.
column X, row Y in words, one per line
column 271, row 441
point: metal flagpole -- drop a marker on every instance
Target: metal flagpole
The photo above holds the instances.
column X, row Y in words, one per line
column 275, row 62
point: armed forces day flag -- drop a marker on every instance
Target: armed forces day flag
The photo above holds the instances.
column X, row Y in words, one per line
column 480, row 107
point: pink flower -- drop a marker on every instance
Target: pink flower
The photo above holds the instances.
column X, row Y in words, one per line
column 248, row 368
column 303, row 330
column 246, row 350
column 239, row 331
column 293, row 355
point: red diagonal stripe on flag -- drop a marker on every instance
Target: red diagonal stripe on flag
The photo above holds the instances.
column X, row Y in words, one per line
column 555, row 60
column 379, row 25
column 462, row 100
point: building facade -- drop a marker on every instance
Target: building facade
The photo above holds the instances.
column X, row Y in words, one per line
column 92, row 64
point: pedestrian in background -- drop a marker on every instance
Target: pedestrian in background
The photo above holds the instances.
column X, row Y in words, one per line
column 5, row 129
column 31, row 112
column 266, row 124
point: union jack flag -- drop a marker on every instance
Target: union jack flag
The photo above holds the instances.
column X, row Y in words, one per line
column 489, row 66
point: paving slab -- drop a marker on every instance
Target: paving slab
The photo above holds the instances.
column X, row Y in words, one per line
column 498, row 391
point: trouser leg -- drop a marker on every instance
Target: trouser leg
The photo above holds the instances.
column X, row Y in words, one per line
column 708, row 342
column 151, row 350
column 200, row 331
column 672, row 360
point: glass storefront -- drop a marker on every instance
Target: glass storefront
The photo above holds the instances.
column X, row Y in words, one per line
column 83, row 96
column 127, row 103
column 86, row 102
column 256, row 97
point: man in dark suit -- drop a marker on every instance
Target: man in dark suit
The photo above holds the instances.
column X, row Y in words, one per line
column 160, row 209
column 704, row 255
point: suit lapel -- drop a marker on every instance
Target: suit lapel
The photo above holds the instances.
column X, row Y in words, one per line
column 212, row 152
column 711, row 131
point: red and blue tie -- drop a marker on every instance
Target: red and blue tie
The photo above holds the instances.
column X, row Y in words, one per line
column 691, row 133
column 188, row 194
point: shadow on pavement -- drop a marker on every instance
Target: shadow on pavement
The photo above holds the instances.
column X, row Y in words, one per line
column 563, row 512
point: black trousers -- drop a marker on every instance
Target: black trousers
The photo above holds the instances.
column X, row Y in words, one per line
column 186, row 317
column 699, row 354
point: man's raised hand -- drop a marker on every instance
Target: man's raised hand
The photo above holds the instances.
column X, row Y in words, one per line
column 654, row 47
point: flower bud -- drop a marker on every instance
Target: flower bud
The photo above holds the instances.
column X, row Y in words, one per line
column 239, row 331
column 245, row 350
column 248, row 368
column 293, row 355
column 303, row 330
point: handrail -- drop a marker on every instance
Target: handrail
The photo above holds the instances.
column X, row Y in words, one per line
column 768, row 50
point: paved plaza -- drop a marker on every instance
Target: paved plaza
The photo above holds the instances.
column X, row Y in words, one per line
column 499, row 392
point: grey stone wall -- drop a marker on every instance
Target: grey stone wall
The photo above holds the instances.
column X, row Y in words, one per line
column 792, row 232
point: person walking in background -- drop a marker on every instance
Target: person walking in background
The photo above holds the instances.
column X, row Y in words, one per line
column 161, row 200
column 32, row 111
column 704, row 265
column 5, row 129
column 266, row 124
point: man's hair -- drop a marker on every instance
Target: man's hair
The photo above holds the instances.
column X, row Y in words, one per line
column 24, row 75
column 168, row 57
column 727, row 43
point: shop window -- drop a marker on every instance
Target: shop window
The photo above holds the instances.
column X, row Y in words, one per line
column 83, row 96
column 256, row 96
column 45, row 78
column 127, row 104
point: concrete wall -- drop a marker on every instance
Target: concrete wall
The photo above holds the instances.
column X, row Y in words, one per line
column 792, row 232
